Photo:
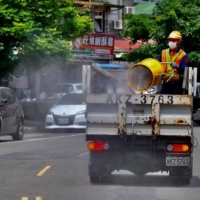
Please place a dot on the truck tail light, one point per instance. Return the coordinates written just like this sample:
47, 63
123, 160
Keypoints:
178, 148
99, 146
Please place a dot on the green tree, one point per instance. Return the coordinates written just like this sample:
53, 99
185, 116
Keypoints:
41, 31
168, 15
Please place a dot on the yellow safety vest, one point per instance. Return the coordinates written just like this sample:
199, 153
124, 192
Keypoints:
168, 68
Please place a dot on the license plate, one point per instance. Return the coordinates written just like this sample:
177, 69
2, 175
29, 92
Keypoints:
63, 120
177, 161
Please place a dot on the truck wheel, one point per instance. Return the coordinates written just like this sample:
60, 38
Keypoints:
179, 182
180, 176
186, 181
106, 178
94, 179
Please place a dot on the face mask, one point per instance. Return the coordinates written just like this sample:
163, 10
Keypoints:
172, 45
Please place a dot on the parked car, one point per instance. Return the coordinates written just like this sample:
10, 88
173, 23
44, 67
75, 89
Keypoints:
67, 113
63, 88
11, 114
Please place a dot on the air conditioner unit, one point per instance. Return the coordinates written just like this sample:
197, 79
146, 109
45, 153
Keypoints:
129, 10
117, 24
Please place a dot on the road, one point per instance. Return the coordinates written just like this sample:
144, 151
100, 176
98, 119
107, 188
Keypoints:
53, 166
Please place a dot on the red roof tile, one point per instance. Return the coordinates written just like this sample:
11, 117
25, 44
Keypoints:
122, 43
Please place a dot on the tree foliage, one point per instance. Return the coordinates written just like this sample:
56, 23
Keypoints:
40, 30
168, 15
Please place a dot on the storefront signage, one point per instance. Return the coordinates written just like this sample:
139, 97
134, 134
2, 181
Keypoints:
101, 43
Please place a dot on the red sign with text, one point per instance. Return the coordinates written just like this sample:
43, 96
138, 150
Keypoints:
102, 43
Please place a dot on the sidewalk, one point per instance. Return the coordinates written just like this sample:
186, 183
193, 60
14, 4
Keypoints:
33, 126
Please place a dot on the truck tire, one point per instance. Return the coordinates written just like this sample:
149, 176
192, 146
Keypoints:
180, 176
179, 182
106, 178
94, 179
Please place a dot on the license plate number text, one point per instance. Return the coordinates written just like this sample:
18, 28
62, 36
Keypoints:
177, 161
63, 121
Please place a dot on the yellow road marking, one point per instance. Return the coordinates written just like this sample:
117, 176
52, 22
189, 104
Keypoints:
26, 198
43, 171
83, 154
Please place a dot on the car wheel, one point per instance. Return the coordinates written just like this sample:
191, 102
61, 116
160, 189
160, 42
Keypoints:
20, 131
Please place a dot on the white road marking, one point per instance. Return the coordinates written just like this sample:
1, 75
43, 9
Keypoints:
26, 198
40, 139
83, 154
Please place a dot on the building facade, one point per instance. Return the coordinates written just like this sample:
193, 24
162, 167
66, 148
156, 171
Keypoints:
107, 14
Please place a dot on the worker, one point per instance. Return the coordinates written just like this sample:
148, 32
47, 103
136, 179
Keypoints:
174, 59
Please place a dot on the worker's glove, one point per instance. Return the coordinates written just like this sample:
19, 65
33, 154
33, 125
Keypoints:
174, 65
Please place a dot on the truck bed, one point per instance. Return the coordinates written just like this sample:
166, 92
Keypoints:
143, 114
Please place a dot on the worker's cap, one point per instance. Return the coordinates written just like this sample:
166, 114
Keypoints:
175, 35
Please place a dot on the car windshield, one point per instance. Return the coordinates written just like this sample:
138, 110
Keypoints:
72, 99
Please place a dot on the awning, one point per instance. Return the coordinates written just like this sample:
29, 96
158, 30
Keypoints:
109, 66
144, 8
124, 44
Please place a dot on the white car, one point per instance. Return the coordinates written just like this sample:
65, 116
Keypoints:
67, 113
63, 88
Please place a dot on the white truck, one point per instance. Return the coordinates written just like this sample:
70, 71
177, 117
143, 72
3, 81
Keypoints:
138, 131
